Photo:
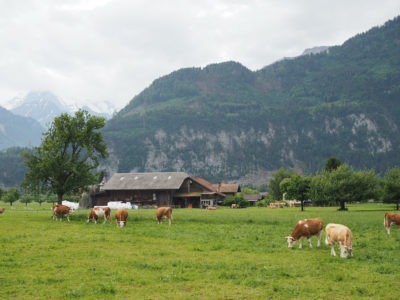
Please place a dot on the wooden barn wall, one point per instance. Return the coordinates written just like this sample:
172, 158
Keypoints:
139, 197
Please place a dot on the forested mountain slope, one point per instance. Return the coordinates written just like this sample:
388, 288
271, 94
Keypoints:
225, 122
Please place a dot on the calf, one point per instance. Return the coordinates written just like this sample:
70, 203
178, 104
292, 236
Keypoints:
211, 208
2, 210
390, 219
340, 234
59, 211
121, 216
306, 228
99, 212
164, 212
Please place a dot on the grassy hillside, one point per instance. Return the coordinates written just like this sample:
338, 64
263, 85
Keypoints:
222, 254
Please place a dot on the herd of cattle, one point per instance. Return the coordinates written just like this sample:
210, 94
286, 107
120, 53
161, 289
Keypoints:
334, 233
121, 215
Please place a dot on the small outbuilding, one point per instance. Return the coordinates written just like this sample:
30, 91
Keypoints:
227, 188
252, 198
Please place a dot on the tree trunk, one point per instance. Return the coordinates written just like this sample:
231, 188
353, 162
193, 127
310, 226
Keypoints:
342, 205
302, 205
60, 196
397, 205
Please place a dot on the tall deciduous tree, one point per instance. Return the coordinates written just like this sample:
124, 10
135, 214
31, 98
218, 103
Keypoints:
11, 196
391, 186
69, 154
343, 185
274, 185
296, 187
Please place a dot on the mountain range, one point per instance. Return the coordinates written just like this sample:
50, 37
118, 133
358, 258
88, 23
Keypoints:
38, 109
225, 122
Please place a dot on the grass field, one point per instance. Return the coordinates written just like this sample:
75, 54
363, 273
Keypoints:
222, 254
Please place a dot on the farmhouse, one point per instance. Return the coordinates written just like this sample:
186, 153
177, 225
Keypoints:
177, 189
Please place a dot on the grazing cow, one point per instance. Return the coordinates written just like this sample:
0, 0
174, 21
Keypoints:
164, 212
99, 212
306, 228
59, 211
234, 205
121, 216
211, 208
391, 219
340, 234
2, 210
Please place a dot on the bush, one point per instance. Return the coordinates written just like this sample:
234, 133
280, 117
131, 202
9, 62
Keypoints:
236, 199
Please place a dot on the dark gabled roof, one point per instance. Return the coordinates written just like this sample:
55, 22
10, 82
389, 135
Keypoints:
146, 181
204, 183
227, 187
154, 181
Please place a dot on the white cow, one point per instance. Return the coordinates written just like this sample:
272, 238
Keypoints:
339, 234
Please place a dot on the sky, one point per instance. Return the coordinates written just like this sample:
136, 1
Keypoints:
92, 51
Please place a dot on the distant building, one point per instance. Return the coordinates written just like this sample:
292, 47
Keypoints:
253, 198
227, 188
176, 189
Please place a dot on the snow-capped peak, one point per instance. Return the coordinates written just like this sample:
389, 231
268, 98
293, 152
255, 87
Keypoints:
44, 106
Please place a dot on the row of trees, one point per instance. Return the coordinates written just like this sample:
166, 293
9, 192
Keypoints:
337, 184
13, 194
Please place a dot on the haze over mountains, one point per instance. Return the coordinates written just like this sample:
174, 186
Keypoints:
24, 118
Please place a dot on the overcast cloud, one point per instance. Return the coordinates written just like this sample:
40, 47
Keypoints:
110, 50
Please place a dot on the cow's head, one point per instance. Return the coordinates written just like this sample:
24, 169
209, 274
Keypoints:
346, 251
290, 241
121, 223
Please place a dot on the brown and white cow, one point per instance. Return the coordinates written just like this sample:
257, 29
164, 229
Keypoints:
211, 208
99, 212
391, 219
2, 210
59, 211
121, 215
339, 234
234, 205
306, 229
164, 211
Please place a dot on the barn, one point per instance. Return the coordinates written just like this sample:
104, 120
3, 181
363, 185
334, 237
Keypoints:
176, 189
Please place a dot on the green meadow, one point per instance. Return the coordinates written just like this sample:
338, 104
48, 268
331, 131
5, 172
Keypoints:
222, 254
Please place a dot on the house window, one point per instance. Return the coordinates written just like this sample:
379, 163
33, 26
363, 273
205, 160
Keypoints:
154, 197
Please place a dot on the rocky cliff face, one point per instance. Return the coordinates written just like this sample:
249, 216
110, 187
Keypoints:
248, 155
